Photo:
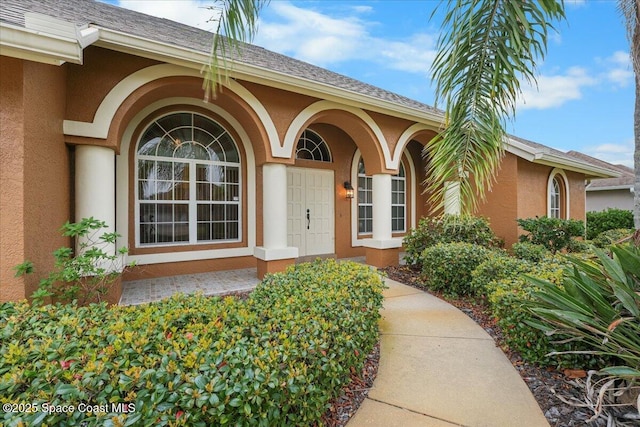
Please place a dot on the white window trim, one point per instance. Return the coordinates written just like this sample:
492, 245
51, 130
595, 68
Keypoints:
123, 181
567, 201
358, 239
192, 202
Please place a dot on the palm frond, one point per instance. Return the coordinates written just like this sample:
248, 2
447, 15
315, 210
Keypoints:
237, 23
485, 48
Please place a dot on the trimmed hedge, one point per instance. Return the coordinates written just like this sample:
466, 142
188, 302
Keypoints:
447, 267
276, 358
448, 229
498, 265
554, 234
609, 237
610, 219
509, 301
530, 251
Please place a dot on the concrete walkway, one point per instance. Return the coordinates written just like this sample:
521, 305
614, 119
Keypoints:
439, 368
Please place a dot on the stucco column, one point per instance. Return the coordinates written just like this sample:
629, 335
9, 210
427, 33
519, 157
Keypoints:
452, 198
95, 187
382, 248
274, 255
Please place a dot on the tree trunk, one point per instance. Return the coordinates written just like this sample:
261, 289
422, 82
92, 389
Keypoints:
636, 155
635, 63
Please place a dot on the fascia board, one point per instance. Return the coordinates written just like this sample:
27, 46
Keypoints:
519, 149
37, 46
590, 171
611, 188
165, 52
550, 159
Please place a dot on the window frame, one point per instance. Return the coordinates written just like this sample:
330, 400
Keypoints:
192, 202
558, 195
318, 145
367, 189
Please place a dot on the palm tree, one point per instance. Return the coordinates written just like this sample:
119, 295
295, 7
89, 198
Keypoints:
237, 23
630, 9
486, 47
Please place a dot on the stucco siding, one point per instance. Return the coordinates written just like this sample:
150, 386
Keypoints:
604, 199
35, 196
12, 175
501, 205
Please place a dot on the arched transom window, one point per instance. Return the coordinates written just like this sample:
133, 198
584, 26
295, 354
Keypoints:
188, 182
311, 146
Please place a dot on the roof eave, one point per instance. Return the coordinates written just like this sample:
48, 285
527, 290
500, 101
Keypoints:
610, 188
194, 59
32, 45
543, 157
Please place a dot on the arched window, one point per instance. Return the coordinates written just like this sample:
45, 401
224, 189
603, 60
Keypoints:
311, 146
558, 199
188, 188
365, 200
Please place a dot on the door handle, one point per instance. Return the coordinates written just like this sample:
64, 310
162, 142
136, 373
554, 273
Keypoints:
308, 218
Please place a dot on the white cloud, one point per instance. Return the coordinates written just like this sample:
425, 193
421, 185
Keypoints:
619, 69
554, 91
190, 12
615, 153
322, 40
363, 9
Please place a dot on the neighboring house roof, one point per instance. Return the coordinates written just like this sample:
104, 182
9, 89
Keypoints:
624, 181
79, 23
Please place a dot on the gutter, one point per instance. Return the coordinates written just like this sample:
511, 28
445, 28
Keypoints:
613, 187
547, 158
46, 40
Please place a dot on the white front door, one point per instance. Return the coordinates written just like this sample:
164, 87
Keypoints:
310, 216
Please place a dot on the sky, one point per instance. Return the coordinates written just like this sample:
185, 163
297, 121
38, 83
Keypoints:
584, 97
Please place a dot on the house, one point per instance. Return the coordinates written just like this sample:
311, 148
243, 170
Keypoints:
607, 193
103, 116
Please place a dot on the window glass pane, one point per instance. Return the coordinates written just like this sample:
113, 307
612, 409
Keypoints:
192, 151
175, 120
204, 231
146, 190
181, 232
229, 149
232, 212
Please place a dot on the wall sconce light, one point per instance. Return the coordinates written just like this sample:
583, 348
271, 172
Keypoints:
348, 189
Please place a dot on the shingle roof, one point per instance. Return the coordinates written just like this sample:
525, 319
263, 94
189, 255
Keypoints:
163, 30
626, 178
107, 16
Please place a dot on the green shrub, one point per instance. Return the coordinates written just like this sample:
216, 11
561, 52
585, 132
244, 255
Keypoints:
553, 233
530, 251
612, 218
85, 275
447, 267
498, 265
508, 301
609, 237
447, 229
598, 306
276, 358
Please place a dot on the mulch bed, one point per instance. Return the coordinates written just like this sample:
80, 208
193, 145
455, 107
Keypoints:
545, 383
